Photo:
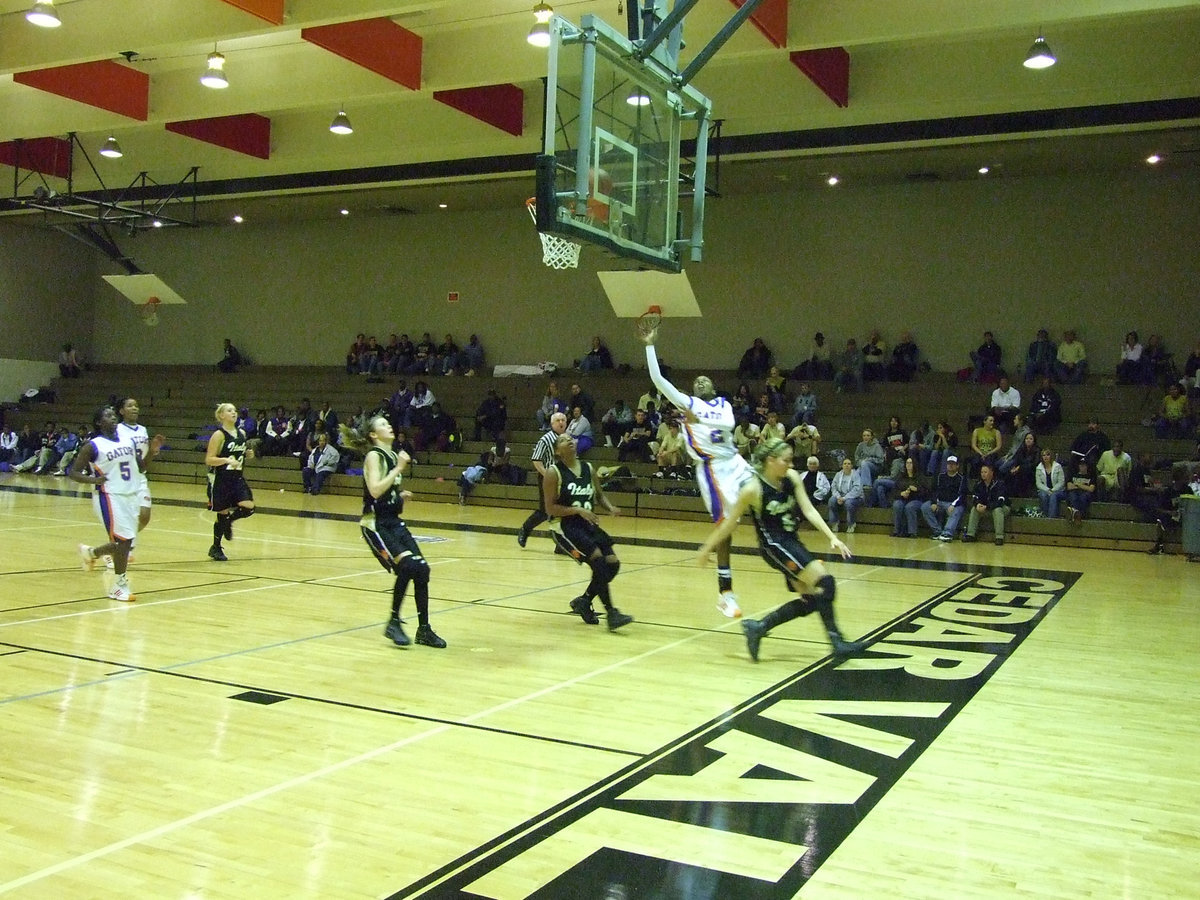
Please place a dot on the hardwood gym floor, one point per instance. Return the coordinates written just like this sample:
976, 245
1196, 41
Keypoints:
1024, 725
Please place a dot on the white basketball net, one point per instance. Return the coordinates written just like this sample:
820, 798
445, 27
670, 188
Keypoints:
557, 252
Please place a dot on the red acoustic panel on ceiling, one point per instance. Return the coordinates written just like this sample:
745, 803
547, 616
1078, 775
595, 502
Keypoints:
268, 10
48, 155
376, 44
829, 69
771, 18
248, 133
501, 105
104, 84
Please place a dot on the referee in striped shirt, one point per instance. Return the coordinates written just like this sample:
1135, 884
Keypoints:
543, 460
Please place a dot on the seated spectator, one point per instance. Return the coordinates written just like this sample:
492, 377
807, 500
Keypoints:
323, 461
945, 443
804, 408
1071, 365
68, 362
438, 430
772, 427
29, 442
906, 358
1174, 419
329, 419
404, 354
615, 422
1005, 403
756, 361
920, 445
1017, 469
71, 448
910, 491
985, 359
230, 358
423, 354
368, 358
1191, 370
985, 445
949, 497
580, 428
653, 398
8, 444
845, 496
550, 405
389, 354
400, 406
848, 368
895, 447
353, 356
471, 357
421, 407
805, 441
635, 443
989, 499
42, 453
816, 482
746, 435
1040, 357
597, 358
670, 451
1081, 487
303, 421
246, 422
1090, 443
276, 439
1020, 429
499, 463
1045, 409
1112, 472
445, 357
874, 358
1157, 364
581, 398
1050, 481
491, 416
868, 459
1129, 367
776, 386
742, 401
818, 366
653, 417
759, 414
401, 441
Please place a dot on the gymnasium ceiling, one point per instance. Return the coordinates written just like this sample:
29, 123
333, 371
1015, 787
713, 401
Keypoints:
936, 89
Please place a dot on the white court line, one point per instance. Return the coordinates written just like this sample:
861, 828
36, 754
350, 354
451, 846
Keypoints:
168, 827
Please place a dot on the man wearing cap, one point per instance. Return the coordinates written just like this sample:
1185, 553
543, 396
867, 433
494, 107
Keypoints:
949, 490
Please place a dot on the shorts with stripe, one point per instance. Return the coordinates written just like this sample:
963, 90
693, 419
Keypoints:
720, 481
580, 539
785, 553
118, 513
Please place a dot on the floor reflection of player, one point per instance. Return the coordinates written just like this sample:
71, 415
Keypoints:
720, 470
112, 463
774, 498
228, 494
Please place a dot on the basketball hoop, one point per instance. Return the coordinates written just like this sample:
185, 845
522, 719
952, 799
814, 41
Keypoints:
557, 252
149, 311
648, 322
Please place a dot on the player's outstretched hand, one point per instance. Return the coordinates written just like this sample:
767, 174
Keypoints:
648, 337
838, 547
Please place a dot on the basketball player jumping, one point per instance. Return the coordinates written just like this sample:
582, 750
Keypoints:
720, 469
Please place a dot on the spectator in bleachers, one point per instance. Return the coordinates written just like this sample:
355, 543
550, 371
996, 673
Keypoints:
8, 444
776, 385
815, 481
869, 460
670, 451
247, 423
423, 354
303, 420
1174, 419
1051, 483
551, 404
580, 427
652, 397
1081, 487
68, 362
581, 398
1040, 357
616, 422
405, 351
742, 401
368, 358
1017, 470
949, 500
472, 356
438, 431
985, 445
759, 415
389, 354
848, 368
277, 434
400, 406
28, 444
81, 435
635, 443
989, 498
1015, 442
772, 428
845, 496
1005, 403
653, 416
1112, 472
745, 435
1157, 362
323, 461
421, 407
819, 365
491, 416
230, 358
804, 408
354, 355
1090, 443
986, 359
906, 357
445, 357
910, 491
1071, 366
1130, 368
945, 444
895, 447
1045, 409
597, 358
805, 441
327, 417
874, 358
1191, 370
756, 361
920, 445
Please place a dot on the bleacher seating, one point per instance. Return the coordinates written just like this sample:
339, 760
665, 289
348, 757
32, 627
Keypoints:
178, 402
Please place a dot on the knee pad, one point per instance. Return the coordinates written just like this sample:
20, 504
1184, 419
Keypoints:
243, 512
614, 566
415, 567
825, 589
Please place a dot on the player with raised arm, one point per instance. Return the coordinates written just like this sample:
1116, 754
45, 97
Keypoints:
773, 498
720, 469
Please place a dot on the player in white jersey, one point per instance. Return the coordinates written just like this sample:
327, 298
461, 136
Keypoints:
129, 427
112, 463
720, 469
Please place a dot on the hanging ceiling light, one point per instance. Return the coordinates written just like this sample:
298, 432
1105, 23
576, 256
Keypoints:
1039, 56
43, 14
638, 97
539, 34
341, 123
214, 75
111, 148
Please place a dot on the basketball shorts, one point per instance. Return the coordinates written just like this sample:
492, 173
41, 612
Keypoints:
229, 491
786, 554
389, 539
580, 539
720, 481
118, 513
144, 495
